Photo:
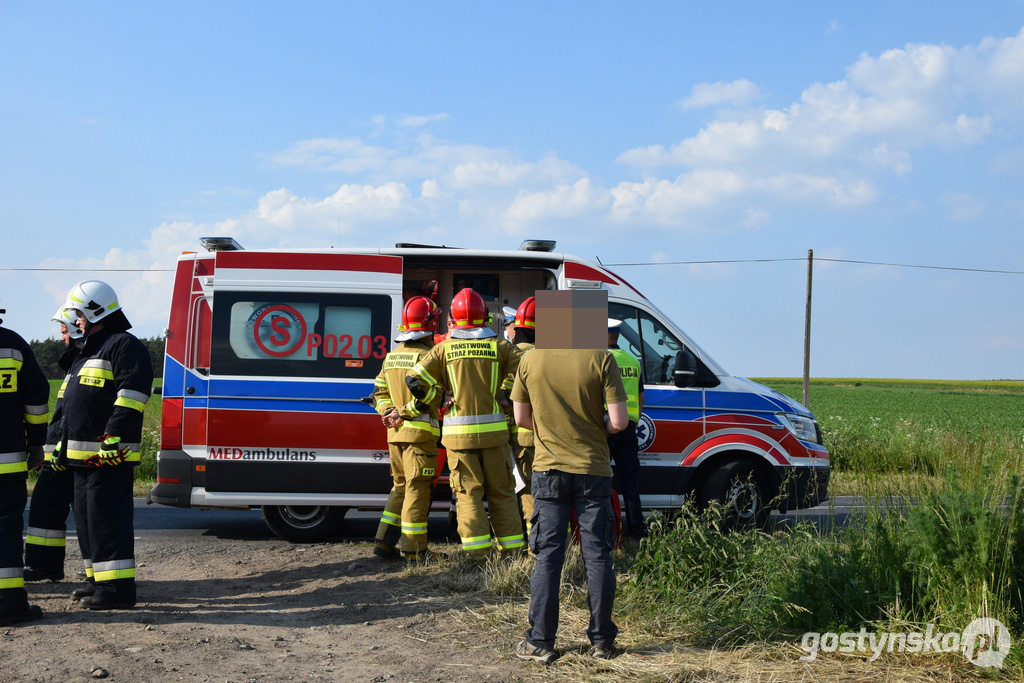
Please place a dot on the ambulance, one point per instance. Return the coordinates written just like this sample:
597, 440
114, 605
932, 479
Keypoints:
271, 354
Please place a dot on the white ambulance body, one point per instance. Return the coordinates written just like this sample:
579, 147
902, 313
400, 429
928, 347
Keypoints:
271, 353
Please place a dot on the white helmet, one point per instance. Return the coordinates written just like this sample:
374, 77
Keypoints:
95, 299
67, 316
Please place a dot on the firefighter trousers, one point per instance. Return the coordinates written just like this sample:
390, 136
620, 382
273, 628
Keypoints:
104, 520
48, 519
13, 599
524, 459
485, 471
405, 514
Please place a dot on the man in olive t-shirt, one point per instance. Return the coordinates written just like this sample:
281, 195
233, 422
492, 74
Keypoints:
560, 394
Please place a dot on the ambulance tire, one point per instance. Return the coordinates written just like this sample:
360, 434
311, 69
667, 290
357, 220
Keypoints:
740, 487
304, 523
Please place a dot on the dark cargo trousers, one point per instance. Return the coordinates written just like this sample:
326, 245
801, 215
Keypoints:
625, 452
556, 495
13, 599
104, 518
47, 519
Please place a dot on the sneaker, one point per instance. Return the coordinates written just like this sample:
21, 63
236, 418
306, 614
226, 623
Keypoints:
602, 652
528, 651
31, 614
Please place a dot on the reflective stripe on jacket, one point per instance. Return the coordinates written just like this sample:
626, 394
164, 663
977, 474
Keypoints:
390, 392
106, 391
24, 403
474, 371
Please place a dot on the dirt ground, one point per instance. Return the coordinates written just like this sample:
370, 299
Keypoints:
229, 610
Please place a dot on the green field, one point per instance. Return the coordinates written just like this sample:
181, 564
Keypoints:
912, 427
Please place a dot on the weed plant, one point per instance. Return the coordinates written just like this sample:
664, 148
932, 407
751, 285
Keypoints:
950, 553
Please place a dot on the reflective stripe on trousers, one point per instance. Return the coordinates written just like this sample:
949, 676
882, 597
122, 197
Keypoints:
114, 569
54, 537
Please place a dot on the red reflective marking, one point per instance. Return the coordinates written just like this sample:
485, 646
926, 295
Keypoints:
168, 480
372, 263
280, 429
580, 271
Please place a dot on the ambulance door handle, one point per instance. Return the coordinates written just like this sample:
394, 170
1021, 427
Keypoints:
190, 390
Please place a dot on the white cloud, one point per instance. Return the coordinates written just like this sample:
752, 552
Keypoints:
410, 121
833, 26
964, 206
348, 155
755, 218
739, 92
887, 106
564, 201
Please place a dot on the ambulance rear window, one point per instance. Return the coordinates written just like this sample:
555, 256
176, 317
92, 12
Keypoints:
300, 335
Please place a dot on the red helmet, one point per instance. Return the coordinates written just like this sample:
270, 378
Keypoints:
468, 310
419, 315
526, 315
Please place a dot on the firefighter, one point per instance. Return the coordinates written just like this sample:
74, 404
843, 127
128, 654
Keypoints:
413, 430
524, 327
625, 452
24, 411
477, 369
55, 487
107, 390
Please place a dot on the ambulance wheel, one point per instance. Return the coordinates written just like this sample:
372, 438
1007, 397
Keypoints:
304, 523
739, 486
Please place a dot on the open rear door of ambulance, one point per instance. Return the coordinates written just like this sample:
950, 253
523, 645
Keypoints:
297, 339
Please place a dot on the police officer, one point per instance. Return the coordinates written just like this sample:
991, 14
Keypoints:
413, 430
24, 411
625, 451
524, 327
477, 370
107, 390
55, 488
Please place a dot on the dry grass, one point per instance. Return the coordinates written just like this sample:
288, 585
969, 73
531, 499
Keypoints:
490, 605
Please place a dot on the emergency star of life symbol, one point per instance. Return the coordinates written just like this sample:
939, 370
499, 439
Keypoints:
645, 432
278, 330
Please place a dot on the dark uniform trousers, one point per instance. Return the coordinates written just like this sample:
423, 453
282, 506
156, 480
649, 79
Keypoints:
13, 599
104, 513
47, 519
625, 453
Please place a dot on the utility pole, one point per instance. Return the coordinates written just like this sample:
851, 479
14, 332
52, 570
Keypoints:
807, 331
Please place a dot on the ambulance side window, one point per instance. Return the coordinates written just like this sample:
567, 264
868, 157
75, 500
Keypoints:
291, 334
648, 340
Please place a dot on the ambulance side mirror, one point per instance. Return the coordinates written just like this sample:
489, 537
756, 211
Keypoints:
685, 372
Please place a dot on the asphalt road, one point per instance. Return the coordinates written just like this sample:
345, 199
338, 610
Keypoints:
159, 522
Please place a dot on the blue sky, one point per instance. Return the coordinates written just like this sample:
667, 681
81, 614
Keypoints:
648, 132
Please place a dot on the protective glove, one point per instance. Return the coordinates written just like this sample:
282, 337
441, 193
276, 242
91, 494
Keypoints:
110, 452
54, 459
35, 457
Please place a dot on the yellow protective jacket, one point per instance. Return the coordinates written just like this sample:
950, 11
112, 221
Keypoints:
390, 392
521, 436
474, 372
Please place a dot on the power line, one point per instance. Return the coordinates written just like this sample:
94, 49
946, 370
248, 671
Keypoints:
89, 269
818, 258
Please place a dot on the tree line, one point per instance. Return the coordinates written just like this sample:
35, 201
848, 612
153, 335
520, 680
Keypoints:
49, 351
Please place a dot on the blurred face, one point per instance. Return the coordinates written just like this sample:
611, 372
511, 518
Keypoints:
64, 334
82, 322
